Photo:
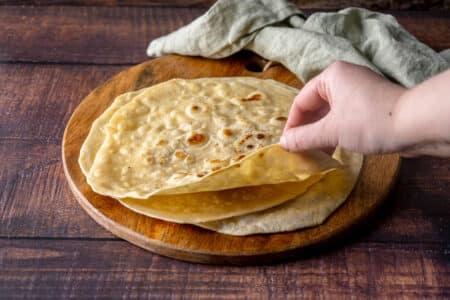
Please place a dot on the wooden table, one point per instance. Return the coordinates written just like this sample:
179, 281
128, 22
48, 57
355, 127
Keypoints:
51, 56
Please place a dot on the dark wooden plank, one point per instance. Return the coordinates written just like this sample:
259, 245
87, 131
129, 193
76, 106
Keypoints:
418, 208
115, 269
101, 35
35, 104
44, 96
318, 4
120, 35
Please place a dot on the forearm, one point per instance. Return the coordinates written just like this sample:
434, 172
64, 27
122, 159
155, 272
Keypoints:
422, 118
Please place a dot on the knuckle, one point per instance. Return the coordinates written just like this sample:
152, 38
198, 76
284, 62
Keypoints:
297, 140
338, 66
328, 132
293, 139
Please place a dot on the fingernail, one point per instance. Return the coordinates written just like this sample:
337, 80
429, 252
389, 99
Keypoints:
283, 142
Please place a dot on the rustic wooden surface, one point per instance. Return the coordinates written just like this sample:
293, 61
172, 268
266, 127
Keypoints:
120, 35
50, 248
322, 4
188, 242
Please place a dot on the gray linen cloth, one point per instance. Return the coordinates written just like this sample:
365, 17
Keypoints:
278, 31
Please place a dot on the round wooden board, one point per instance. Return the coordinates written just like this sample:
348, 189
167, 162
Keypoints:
187, 242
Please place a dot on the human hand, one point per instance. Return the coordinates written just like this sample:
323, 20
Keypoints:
348, 106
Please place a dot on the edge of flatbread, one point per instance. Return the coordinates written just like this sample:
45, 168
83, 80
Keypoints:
309, 209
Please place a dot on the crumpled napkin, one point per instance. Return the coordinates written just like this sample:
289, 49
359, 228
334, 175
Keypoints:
278, 31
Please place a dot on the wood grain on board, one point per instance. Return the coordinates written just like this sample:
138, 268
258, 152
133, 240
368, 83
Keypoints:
37, 102
188, 242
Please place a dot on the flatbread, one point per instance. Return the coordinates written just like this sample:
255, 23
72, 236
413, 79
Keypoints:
186, 136
97, 134
207, 206
309, 209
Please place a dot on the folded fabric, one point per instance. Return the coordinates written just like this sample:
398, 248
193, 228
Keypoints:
278, 31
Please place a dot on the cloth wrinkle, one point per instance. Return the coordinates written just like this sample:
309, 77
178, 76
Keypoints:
278, 31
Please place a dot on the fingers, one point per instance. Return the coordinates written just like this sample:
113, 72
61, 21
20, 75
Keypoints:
317, 135
306, 127
309, 105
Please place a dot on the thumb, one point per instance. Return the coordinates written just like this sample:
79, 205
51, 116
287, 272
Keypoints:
317, 135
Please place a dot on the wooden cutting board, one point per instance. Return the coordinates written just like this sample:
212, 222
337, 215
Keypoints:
187, 242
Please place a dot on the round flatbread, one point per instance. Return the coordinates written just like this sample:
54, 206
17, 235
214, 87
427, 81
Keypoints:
303, 169
185, 136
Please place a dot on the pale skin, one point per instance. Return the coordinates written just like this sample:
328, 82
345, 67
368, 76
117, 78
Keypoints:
352, 107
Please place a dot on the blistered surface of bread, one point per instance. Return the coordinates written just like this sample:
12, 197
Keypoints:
176, 134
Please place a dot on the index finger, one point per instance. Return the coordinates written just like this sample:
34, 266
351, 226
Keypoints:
309, 100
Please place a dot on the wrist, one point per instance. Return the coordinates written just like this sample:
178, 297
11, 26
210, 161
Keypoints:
415, 129
393, 133
403, 124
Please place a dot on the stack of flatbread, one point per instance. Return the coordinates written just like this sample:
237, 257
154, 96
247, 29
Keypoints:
205, 152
